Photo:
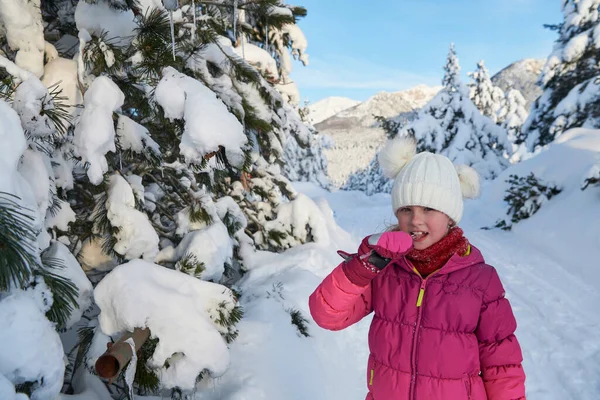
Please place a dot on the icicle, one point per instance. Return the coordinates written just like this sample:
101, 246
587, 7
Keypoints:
235, 17
243, 50
172, 34
194, 30
267, 36
130, 371
172, 5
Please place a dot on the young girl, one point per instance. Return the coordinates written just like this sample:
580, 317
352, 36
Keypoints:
442, 328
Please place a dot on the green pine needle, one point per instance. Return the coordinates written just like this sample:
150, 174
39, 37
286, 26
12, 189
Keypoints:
64, 292
18, 246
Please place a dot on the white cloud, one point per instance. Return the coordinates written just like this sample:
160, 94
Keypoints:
352, 73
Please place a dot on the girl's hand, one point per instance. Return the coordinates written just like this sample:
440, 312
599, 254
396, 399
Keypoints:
392, 245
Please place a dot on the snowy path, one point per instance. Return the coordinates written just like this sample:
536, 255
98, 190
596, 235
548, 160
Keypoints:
557, 312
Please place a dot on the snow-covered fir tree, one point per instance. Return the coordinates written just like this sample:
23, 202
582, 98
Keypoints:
511, 117
450, 124
140, 146
570, 77
486, 97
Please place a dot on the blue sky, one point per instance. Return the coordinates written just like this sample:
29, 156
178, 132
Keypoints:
359, 48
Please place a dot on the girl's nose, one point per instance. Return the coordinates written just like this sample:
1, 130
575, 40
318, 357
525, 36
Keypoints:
417, 217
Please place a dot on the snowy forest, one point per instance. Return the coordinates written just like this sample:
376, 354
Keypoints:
166, 209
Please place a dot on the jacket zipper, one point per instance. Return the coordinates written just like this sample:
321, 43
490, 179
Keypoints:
468, 386
413, 377
416, 329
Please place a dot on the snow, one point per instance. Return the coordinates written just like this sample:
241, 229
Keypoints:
136, 236
62, 218
575, 47
280, 11
522, 76
30, 348
385, 104
211, 246
298, 41
22, 22
298, 215
31, 97
135, 137
355, 133
131, 367
556, 328
33, 169
87, 387
13, 145
578, 149
208, 122
75, 274
7, 390
289, 91
95, 132
259, 58
179, 310
328, 107
96, 18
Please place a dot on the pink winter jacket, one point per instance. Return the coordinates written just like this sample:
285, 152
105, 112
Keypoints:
447, 337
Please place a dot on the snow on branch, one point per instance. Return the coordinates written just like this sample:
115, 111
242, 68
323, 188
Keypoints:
95, 133
182, 312
208, 122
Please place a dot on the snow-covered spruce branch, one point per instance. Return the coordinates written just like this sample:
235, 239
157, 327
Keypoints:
14, 70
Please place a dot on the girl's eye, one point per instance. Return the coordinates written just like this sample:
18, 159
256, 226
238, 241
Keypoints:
405, 209
429, 209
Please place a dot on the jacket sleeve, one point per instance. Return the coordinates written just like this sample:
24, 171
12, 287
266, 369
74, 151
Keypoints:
338, 303
499, 351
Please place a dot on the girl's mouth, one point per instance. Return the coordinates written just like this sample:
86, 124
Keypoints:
418, 236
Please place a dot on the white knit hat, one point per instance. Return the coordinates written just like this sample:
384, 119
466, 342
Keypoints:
427, 179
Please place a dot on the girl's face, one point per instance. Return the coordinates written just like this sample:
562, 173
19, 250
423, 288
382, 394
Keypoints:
426, 225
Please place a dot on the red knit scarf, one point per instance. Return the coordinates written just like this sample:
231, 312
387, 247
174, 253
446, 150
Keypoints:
435, 256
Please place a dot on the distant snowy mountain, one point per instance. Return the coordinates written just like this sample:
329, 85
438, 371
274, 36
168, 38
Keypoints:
384, 104
354, 132
328, 107
521, 75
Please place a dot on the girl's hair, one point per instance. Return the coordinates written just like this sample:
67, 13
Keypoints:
393, 228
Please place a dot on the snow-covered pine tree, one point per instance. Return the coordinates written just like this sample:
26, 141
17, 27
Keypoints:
569, 78
487, 98
43, 289
511, 117
268, 34
450, 124
158, 155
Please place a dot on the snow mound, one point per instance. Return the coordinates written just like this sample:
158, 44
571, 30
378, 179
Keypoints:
181, 311
30, 348
566, 163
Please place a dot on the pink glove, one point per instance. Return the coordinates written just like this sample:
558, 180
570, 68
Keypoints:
374, 253
391, 245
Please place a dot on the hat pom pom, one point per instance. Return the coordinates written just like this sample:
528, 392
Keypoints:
396, 154
469, 181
